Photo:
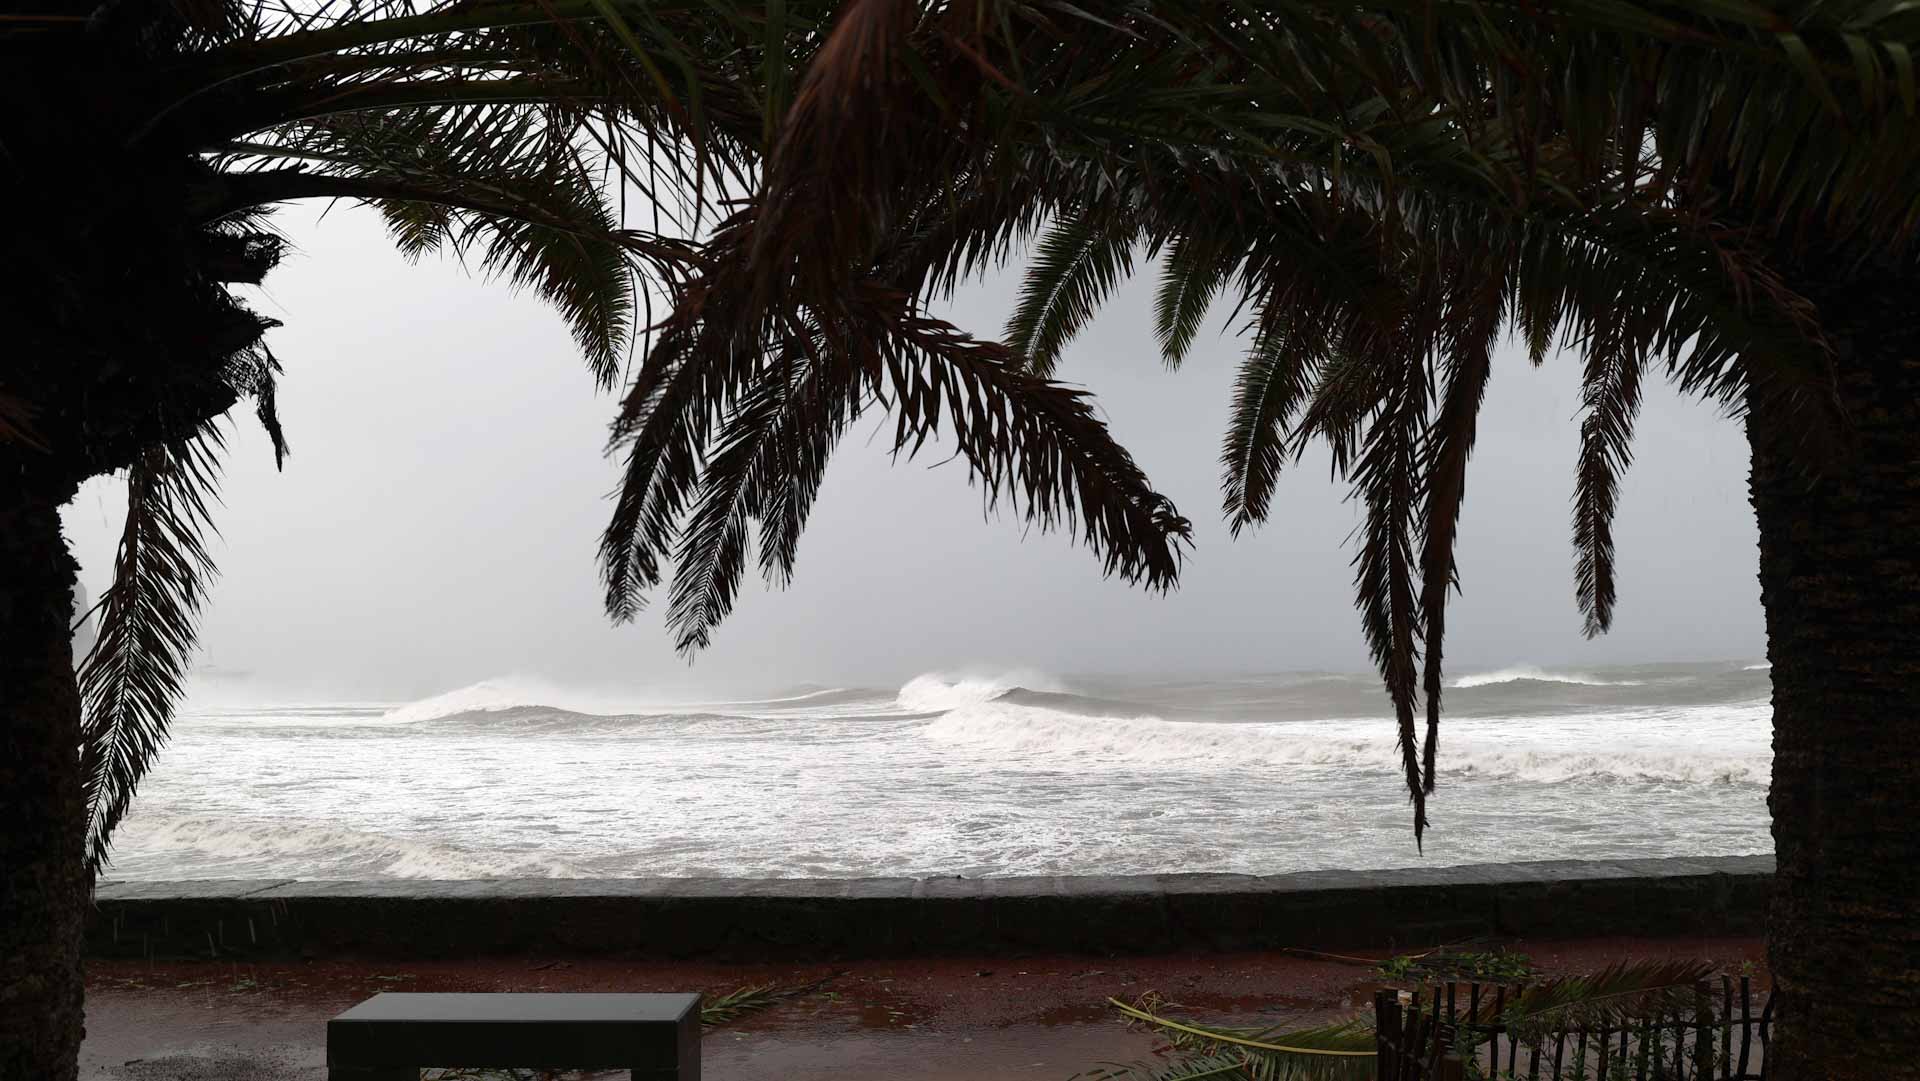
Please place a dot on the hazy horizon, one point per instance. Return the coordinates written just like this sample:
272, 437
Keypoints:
437, 520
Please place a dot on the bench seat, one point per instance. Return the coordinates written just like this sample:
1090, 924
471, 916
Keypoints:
394, 1036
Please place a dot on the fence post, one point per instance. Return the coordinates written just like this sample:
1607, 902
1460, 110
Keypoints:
1702, 1031
1386, 1026
1452, 1068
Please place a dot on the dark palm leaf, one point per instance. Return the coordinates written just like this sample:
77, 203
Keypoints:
1620, 993
1280, 371
132, 678
1192, 275
1075, 267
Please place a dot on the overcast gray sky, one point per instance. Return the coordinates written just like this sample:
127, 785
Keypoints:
437, 520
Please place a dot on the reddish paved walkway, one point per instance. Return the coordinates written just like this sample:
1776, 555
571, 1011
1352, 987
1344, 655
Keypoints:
943, 1019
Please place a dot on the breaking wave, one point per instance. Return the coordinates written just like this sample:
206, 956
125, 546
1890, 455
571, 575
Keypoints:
1048, 739
511, 692
1529, 673
936, 692
267, 847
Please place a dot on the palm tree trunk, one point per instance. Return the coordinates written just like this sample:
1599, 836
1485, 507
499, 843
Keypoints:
1840, 580
43, 881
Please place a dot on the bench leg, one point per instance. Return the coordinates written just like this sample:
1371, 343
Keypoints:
371, 1073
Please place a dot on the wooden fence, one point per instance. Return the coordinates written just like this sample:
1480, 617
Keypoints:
1452, 1031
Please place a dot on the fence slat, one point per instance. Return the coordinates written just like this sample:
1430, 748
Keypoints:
1409, 1043
1421, 1038
1726, 1027
1703, 1040
1386, 1027
1499, 1028
1746, 1022
1766, 1033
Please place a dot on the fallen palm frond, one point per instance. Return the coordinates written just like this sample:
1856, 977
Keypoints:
731, 1006
1340, 1051
1614, 997
1650, 996
1496, 966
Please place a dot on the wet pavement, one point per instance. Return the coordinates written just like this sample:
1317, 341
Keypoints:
944, 1019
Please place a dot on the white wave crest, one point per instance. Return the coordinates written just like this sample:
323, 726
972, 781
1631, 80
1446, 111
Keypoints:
934, 692
510, 692
1026, 737
1763, 666
290, 848
1520, 672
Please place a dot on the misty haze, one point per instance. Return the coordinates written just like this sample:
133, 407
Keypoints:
407, 670
972, 540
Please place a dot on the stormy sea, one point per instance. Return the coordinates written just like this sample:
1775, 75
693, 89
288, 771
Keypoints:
964, 773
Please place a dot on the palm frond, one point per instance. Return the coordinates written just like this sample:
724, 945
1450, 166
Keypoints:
1468, 343
255, 374
1622, 992
131, 681
1075, 267
1034, 446
764, 464
1191, 276
16, 423
1280, 370
1179, 1067
1386, 480
1610, 395
537, 220
724, 1009
1342, 1051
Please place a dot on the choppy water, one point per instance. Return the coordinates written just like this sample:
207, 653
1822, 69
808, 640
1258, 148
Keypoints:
960, 775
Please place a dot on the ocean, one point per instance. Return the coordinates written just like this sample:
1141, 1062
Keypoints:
971, 774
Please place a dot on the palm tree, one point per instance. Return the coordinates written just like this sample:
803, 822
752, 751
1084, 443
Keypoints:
1722, 190
1387, 186
142, 145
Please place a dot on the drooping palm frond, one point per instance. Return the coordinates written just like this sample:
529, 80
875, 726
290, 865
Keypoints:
1074, 268
711, 440
1389, 192
764, 466
255, 374
1466, 350
132, 679
1281, 368
1195, 270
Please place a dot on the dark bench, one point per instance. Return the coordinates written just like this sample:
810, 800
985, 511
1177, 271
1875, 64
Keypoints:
392, 1037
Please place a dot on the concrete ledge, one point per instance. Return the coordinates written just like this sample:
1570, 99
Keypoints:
817, 918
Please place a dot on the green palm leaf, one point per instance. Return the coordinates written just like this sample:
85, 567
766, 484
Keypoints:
1343, 1051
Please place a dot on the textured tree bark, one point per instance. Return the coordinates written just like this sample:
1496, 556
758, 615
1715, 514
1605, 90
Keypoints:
43, 881
1840, 580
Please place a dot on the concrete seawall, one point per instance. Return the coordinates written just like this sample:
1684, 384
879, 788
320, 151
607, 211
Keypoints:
820, 918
